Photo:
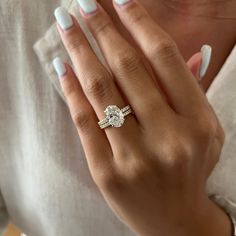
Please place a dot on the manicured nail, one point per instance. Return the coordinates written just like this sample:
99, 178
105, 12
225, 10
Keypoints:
206, 51
63, 18
59, 66
88, 6
122, 2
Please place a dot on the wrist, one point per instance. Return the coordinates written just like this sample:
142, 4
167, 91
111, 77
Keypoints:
210, 220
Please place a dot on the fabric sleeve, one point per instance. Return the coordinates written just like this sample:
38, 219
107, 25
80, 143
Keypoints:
221, 95
3, 216
50, 46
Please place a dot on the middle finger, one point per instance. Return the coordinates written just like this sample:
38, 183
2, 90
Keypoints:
126, 64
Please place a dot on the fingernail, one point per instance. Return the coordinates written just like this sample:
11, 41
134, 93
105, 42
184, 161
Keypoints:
206, 51
63, 18
59, 66
122, 2
88, 6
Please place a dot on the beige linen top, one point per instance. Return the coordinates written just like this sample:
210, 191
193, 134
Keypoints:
45, 185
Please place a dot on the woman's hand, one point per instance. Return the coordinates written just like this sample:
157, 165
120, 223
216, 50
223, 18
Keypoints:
152, 171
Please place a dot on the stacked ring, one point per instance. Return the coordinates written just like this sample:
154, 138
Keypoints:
115, 116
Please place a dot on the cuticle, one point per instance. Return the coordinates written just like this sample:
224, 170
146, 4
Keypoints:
86, 15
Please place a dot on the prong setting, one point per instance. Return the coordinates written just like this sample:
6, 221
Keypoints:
115, 116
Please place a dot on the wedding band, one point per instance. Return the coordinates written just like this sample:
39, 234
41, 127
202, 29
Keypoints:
115, 116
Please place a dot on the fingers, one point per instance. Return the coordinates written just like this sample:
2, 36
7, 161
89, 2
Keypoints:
199, 62
96, 145
194, 64
173, 74
95, 80
126, 64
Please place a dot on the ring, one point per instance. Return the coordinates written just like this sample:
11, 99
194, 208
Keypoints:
115, 116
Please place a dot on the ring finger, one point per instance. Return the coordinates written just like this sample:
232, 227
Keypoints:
96, 81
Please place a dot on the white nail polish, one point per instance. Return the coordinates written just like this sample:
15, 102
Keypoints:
88, 6
206, 51
63, 18
59, 66
122, 2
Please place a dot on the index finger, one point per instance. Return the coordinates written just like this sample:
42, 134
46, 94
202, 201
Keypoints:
169, 66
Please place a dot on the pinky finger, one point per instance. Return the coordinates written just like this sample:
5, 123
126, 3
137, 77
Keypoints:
199, 64
94, 141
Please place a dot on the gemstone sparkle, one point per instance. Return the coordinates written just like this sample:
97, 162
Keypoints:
115, 116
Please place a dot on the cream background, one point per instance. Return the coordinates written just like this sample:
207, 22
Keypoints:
46, 187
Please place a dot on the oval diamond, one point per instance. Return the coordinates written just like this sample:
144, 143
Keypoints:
115, 116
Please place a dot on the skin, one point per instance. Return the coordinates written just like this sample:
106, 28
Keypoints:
196, 21
152, 174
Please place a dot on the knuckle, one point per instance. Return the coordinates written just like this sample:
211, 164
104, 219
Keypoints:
81, 119
163, 49
138, 169
127, 61
178, 154
102, 27
139, 172
206, 128
73, 44
69, 88
99, 86
136, 16
110, 181
177, 160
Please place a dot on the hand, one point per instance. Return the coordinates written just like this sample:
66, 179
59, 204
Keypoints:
152, 171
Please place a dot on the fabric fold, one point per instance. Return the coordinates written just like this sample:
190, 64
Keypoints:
50, 46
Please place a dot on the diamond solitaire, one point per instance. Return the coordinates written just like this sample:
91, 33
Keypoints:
115, 116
